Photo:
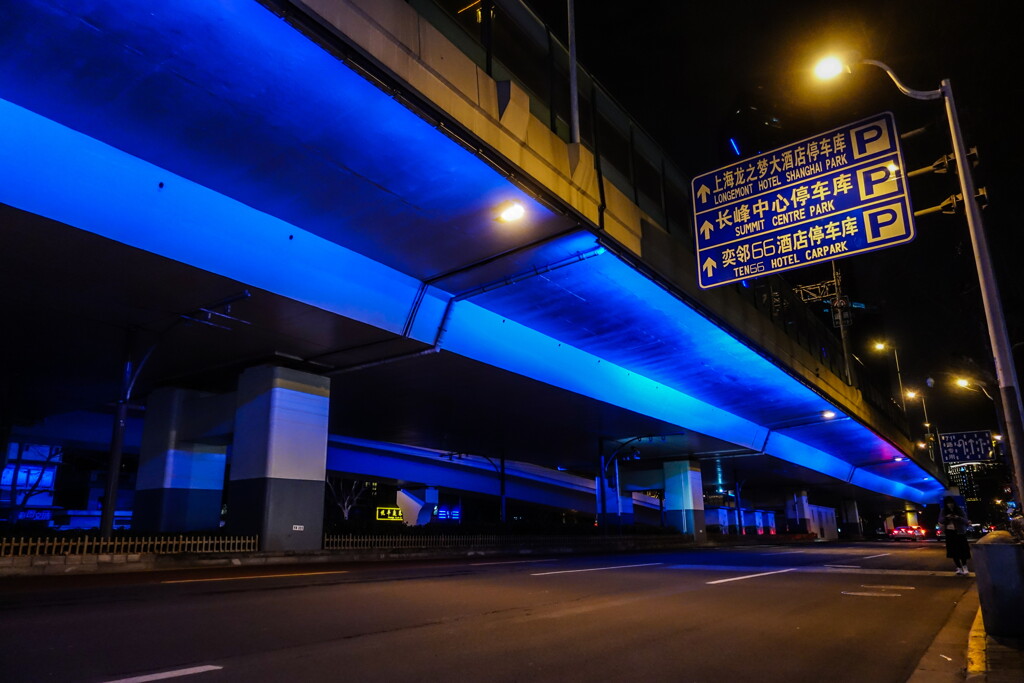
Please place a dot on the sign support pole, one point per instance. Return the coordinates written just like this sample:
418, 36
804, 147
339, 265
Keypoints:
1012, 410
1005, 370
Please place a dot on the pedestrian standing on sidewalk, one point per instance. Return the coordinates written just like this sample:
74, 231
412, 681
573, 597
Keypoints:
953, 521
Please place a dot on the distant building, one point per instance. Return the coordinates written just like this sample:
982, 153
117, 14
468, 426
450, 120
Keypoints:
28, 481
979, 481
51, 486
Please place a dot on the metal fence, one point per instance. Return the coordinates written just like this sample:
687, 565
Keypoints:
495, 542
167, 545
128, 545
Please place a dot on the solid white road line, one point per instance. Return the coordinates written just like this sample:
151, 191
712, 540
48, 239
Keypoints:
750, 576
244, 578
598, 569
898, 588
871, 557
168, 674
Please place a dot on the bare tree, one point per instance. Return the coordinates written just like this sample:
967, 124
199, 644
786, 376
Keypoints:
20, 496
346, 496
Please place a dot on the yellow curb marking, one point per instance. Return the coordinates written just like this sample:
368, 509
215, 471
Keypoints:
976, 659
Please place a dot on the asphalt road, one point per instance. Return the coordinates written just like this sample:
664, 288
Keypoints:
835, 612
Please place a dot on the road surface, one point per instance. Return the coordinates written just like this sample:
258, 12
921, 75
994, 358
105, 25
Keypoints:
835, 612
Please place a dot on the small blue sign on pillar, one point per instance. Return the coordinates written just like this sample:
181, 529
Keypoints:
836, 194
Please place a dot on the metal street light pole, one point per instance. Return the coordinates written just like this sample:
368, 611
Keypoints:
924, 407
1001, 349
500, 469
927, 422
613, 459
884, 346
1001, 414
899, 379
574, 99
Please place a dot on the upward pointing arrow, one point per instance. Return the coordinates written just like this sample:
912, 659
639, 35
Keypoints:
706, 228
703, 192
709, 266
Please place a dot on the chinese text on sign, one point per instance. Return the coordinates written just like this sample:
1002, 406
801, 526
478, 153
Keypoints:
832, 195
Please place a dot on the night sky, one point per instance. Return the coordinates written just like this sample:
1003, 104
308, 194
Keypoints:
695, 74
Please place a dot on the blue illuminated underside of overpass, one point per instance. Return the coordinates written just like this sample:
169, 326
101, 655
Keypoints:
140, 167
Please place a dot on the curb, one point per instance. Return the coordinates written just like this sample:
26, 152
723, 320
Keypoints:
946, 659
977, 657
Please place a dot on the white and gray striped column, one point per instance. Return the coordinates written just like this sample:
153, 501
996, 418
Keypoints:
278, 461
180, 482
798, 513
684, 497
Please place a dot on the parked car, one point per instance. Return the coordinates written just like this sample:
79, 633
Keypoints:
979, 530
973, 531
908, 533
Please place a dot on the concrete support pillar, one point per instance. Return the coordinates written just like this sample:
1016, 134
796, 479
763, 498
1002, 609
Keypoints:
852, 527
912, 511
618, 506
736, 520
180, 484
753, 523
798, 513
417, 505
684, 498
278, 463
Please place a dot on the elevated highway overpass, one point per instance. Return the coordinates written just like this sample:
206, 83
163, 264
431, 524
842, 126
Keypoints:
283, 215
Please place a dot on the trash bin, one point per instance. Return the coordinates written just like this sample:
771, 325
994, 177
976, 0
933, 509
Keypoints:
999, 569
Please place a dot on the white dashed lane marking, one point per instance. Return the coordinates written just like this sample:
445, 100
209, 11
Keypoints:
598, 569
750, 576
177, 673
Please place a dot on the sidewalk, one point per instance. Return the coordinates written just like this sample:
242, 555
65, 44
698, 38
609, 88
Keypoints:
962, 651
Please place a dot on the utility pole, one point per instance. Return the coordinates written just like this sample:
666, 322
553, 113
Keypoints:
839, 314
117, 444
